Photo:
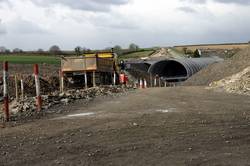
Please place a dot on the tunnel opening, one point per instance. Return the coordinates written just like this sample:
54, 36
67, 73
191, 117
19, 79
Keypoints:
169, 70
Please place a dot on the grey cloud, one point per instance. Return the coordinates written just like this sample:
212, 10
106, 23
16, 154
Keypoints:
240, 2
195, 1
2, 28
187, 9
24, 27
88, 5
5, 1
123, 25
114, 21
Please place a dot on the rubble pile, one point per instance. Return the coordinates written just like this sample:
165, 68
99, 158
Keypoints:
11, 86
48, 85
27, 107
238, 83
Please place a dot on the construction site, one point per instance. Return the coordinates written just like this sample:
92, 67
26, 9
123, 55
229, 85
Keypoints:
168, 108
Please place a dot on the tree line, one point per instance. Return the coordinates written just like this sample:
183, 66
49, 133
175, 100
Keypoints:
56, 50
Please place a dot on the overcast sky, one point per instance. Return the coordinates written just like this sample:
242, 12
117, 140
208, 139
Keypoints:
96, 24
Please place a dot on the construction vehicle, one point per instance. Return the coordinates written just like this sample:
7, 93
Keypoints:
91, 69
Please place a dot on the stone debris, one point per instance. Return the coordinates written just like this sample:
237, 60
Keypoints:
27, 107
47, 84
238, 83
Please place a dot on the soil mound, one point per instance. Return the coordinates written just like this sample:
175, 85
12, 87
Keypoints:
218, 71
238, 83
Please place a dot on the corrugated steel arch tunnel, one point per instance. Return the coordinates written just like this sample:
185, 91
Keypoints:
180, 69
141, 65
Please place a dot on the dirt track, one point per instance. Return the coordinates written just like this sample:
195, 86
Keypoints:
171, 126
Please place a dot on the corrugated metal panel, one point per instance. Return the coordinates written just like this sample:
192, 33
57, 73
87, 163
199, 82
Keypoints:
142, 65
194, 65
184, 67
105, 64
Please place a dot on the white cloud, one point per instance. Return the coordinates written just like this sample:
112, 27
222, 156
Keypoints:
99, 24
89, 5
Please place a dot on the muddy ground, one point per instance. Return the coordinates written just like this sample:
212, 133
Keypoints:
161, 126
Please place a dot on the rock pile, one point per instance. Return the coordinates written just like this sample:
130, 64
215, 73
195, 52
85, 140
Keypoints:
27, 107
48, 85
238, 83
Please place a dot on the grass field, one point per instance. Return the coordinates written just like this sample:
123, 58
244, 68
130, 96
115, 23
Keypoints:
137, 54
29, 59
50, 59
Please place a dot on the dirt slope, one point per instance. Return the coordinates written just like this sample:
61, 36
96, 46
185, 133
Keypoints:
218, 71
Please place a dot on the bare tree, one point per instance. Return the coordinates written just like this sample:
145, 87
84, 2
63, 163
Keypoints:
2, 49
78, 50
118, 49
40, 50
17, 50
133, 47
54, 49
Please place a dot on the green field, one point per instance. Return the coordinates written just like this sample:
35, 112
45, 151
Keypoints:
176, 53
29, 59
139, 54
50, 59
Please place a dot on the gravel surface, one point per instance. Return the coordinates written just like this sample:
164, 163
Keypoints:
161, 126
26, 109
218, 71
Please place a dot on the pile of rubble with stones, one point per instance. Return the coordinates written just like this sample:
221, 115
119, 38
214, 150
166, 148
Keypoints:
238, 83
47, 85
27, 107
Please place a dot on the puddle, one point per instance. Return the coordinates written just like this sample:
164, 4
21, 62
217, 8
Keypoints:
166, 110
82, 114
114, 102
75, 115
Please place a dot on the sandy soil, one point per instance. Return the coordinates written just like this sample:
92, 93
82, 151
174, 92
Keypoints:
167, 126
